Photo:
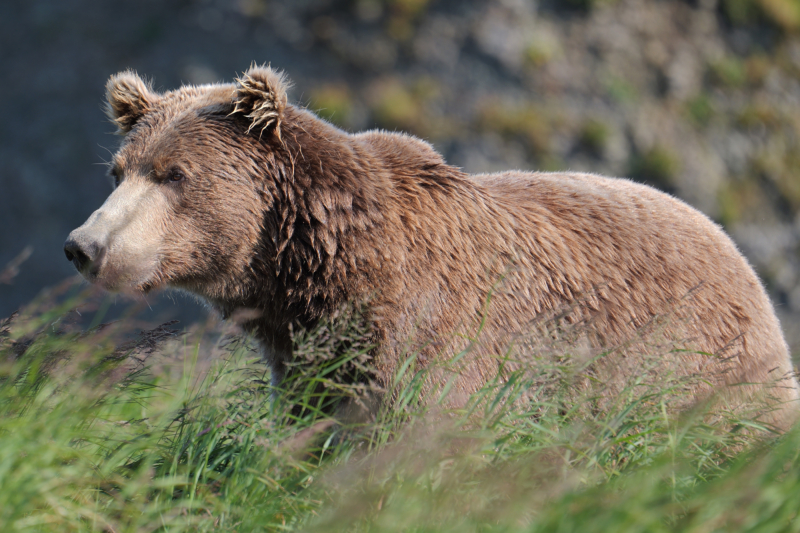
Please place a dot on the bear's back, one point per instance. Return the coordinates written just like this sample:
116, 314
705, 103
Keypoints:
632, 254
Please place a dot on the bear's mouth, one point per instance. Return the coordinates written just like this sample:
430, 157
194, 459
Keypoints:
118, 278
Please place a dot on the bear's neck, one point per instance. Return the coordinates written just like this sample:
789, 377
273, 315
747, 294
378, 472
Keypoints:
350, 214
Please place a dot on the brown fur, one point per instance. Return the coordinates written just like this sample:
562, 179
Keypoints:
283, 213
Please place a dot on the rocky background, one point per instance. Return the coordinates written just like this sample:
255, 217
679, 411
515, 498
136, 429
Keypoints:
698, 98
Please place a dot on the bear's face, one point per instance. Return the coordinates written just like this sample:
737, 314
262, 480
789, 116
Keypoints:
189, 202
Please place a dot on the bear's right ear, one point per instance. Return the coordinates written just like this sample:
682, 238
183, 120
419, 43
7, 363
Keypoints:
129, 97
261, 96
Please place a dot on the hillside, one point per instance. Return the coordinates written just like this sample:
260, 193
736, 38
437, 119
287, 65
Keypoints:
699, 98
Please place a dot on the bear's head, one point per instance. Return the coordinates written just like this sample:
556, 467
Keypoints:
196, 176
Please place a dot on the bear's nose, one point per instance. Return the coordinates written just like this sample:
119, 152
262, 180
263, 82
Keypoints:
82, 250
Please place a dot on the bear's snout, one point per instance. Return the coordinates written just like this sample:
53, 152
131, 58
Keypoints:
83, 251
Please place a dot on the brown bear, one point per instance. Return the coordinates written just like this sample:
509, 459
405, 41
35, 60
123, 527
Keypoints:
230, 193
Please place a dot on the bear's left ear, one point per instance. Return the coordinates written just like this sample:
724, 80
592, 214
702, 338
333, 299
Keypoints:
261, 96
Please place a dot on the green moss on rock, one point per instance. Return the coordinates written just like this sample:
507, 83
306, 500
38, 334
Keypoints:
657, 166
333, 103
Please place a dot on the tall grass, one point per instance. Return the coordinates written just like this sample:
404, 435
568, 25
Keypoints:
102, 430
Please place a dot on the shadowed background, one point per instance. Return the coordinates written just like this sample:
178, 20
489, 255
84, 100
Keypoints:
698, 98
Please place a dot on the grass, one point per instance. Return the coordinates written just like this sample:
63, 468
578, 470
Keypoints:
98, 434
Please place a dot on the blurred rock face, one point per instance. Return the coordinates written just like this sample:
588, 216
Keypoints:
701, 99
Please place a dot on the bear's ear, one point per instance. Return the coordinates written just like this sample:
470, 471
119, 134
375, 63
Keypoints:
261, 96
129, 97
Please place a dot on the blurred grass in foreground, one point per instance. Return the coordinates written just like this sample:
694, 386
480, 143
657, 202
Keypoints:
99, 435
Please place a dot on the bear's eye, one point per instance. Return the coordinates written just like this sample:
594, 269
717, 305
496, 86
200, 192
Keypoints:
116, 176
175, 176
